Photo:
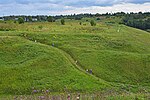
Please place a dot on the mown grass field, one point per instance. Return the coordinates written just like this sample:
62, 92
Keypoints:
50, 56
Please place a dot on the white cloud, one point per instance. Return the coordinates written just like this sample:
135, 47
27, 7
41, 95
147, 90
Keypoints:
124, 7
51, 8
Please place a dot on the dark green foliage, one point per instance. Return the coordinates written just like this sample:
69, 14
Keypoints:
62, 21
40, 27
147, 24
93, 23
119, 14
30, 19
78, 18
15, 21
138, 20
136, 98
80, 23
20, 20
50, 19
98, 19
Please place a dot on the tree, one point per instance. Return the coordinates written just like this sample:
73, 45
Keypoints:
147, 23
20, 20
92, 22
62, 21
50, 19
98, 19
30, 19
78, 18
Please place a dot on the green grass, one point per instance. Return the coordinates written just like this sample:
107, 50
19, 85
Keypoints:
118, 55
25, 64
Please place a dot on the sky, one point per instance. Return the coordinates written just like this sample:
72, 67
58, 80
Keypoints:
67, 7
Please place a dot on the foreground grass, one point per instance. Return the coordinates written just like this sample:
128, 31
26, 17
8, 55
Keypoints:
63, 96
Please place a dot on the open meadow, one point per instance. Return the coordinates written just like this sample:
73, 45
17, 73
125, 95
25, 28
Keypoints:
108, 61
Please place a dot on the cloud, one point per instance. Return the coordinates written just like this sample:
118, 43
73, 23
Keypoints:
5, 1
75, 2
31, 9
87, 3
124, 7
54, 7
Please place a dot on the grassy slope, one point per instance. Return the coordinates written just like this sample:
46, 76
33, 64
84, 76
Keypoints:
25, 64
116, 56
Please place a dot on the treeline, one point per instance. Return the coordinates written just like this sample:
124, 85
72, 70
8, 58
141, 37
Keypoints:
139, 15
137, 20
27, 18
40, 18
53, 18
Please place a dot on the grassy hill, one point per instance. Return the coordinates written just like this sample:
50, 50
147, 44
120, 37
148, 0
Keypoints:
56, 57
25, 64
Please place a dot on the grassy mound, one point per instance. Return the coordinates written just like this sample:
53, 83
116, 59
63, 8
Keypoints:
25, 64
121, 57
56, 57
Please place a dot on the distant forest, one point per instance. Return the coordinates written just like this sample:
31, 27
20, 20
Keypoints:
137, 20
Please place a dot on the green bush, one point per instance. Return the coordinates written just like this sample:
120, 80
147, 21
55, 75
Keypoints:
20, 20
62, 21
93, 23
40, 27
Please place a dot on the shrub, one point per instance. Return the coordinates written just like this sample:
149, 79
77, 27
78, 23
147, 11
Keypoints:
40, 27
62, 21
98, 19
50, 19
80, 23
20, 20
93, 23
